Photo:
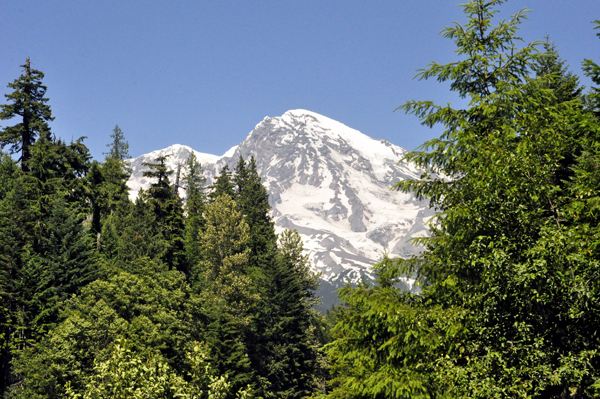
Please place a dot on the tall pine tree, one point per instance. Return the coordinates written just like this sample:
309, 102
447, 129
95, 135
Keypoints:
286, 354
509, 276
253, 203
194, 182
222, 185
168, 211
27, 101
119, 148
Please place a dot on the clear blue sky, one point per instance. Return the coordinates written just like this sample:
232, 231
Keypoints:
204, 73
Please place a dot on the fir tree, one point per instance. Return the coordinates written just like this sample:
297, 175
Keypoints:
107, 185
194, 182
286, 355
226, 289
253, 202
45, 258
552, 73
62, 264
28, 103
132, 233
552, 68
119, 148
592, 70
222, 185
160, 190
17, 230
508, 276
168, 211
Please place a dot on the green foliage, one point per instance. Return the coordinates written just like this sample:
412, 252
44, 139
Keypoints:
100, 297
226, 289
168, 211
61, 262
194, 182
45, 257
509, 283
222, 185
131, 233
125, 375
592, 70
28, 103
253, 201
287, 352
107, 183
147, 304
119, 148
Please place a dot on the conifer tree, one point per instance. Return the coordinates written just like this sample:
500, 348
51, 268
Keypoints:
222, 185
194, 182
240, 178
132, 233
62, 264
564, 83
168, 211
45, 258
226, 290
107, 182
119, 148
253, 202
508, 276
592, 70
553, 74
17, 230
286, 355
28, 103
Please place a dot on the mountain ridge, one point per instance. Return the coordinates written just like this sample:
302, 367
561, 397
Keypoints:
330, 182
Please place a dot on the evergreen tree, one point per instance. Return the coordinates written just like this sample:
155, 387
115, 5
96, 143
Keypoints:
168, 211
227, 294
28, 103
17, 229
132, 233
160, 190
240, 178
62, 264
564, 83
45, 258
592, 70
222, 185
57, 166
253, 202
551, 72
97, 202
508, 277
194, 182
107, 183
286, 355
119, 148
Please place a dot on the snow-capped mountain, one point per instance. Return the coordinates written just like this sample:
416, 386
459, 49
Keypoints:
331, 183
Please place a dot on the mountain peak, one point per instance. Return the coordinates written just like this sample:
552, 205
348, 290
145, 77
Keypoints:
332, 184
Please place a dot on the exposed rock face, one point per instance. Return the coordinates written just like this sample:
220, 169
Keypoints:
331, 183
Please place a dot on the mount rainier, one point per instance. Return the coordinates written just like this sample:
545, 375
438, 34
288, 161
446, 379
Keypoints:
328, 181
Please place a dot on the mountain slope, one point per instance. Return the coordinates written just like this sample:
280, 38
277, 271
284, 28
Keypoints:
331, 183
